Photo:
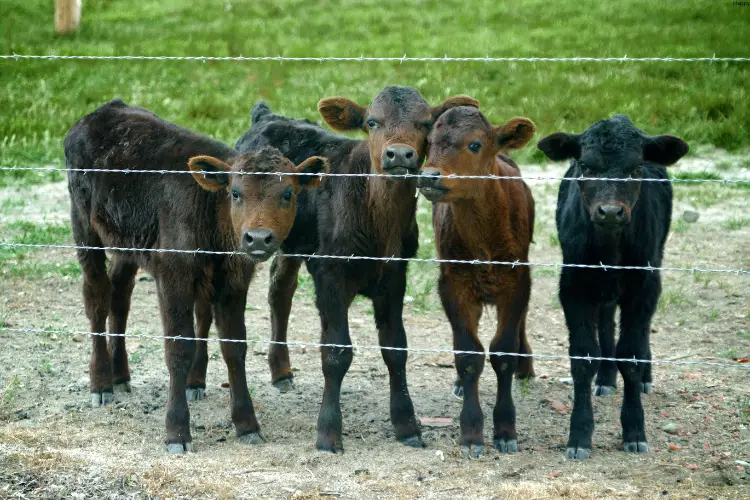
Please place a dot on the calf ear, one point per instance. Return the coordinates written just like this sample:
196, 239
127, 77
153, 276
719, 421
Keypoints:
453, 102
560, 146
515, 133
211, 173
313, 165
342, 114
664, 149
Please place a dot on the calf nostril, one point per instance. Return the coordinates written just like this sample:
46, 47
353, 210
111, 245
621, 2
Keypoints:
620, 212
390, 154
267, 240
248, 238
601, 210
410, 155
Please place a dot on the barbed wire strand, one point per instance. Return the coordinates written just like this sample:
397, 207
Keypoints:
421, 350
406, 176
382, 259
400, 60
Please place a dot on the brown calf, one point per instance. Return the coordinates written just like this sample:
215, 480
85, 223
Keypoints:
480, 219
211, 211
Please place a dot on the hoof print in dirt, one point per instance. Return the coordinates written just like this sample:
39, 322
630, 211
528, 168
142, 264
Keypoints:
632, 447
506, 446
647, 387
604, 390
473, 451
458, 390
252, 438
179, 448
284, 385
578, 453
414, 442
196, 394
101, 398
122, 387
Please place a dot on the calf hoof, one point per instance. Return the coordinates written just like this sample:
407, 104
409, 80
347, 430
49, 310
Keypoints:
179, 448
473, 451
647, 387
101, 398
506, 446
252, 438
604, 390
329, 443
578, 453
458, 390
195, 394
413, 441
633, 447
284, 385
122, 387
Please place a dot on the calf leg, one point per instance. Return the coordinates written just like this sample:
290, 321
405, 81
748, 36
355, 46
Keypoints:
636, 309
122, 277
464, 311
333, 299
176, 299
230, 321
580, 317
284, 272
606, 379
196, 381
388, 306
511, 312
648, 383
525, 366
97, 293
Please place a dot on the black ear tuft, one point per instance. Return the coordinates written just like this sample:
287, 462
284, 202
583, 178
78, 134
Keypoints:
259, 111
560, 146
664, 149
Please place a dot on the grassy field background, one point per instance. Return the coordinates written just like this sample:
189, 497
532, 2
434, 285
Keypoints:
703, 102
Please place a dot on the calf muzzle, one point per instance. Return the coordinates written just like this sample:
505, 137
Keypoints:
610, 215
431, 185
399, 159
260, 243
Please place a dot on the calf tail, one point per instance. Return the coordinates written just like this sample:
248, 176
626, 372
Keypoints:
259, 111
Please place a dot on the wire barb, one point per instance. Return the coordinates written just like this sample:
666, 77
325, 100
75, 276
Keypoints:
382, 259
589, 358
390, 176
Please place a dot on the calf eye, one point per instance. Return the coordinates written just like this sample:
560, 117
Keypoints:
235, 195
287, 195
475, 146
371, 124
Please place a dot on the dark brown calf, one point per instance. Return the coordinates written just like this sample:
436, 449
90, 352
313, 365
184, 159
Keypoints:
362, 216
211, 210
480, 219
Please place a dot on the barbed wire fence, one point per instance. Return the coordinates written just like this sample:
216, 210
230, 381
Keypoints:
742, 364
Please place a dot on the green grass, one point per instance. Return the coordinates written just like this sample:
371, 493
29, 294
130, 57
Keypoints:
736, 223
8, 395
19, 263
703, 103
674, 299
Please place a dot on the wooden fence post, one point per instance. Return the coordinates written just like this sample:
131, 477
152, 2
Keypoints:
67, 15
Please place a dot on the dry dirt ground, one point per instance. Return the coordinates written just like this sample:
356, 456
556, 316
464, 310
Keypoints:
54, 444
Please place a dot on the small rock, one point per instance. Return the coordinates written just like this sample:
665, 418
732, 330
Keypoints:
22, 415
360, 472
78, 338
566, 381
742, 463
221, 439
674, 447
200, 427
146, 277
69, 406
53, 336
441, 456
670, 428
690, 216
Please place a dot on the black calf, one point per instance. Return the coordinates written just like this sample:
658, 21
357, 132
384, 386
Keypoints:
612, 223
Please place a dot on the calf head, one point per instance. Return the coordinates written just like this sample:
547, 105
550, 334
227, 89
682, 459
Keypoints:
396, 122
463, 142
262, 207
612, 148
